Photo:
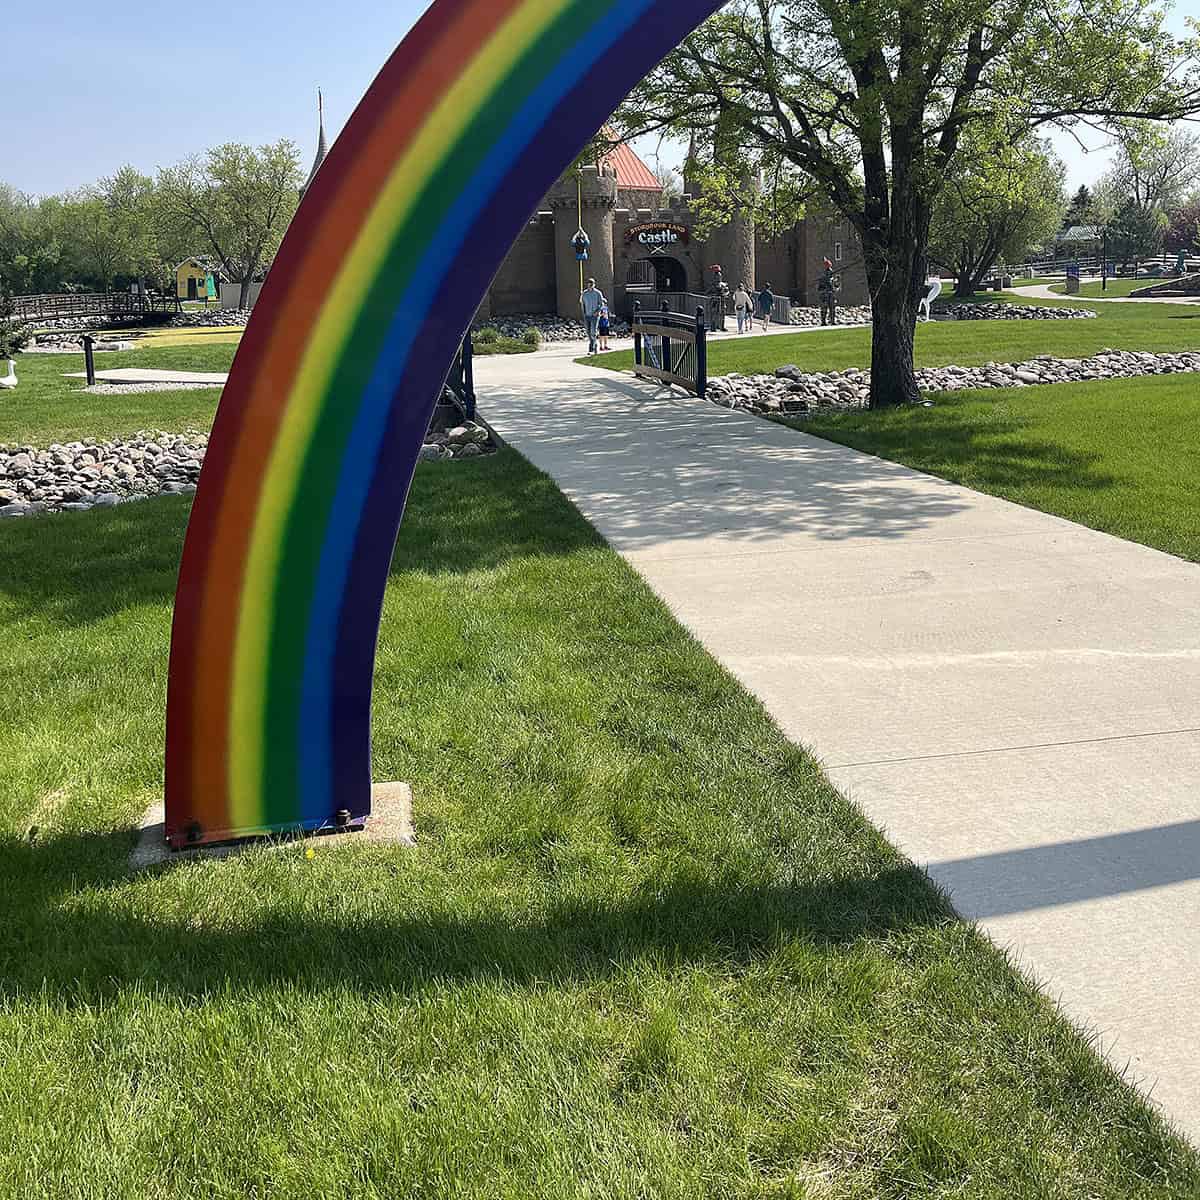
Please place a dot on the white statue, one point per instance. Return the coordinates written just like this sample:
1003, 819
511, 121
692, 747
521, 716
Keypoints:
933, 289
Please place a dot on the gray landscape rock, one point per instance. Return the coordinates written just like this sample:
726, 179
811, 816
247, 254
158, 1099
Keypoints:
89, 473
211, 318
850, 314
552, 327
791, 390
1011, 312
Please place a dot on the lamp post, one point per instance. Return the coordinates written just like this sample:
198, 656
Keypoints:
1104, 258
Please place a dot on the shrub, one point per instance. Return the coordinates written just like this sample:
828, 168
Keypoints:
487, 335
13, 333
532, 336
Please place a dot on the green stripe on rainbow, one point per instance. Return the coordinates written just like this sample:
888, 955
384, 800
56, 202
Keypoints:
343, 317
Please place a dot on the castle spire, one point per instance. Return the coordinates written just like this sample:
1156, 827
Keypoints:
322, 144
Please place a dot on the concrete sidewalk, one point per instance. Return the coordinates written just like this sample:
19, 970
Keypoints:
1046, 293
154, 375
1015, 699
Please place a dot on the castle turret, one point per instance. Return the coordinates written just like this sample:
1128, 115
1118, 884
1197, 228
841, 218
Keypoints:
322, 145
585, 199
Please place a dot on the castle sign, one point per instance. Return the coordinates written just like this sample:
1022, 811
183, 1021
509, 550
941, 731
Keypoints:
657, 234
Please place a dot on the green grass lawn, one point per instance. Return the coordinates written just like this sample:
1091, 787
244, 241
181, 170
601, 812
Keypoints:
642, 948
1119, 455
47, 407
1155, 327
1116, 287
502, 345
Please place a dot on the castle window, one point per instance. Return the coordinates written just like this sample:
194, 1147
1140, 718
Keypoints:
837, 252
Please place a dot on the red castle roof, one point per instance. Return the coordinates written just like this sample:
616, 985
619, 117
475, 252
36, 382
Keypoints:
631, 171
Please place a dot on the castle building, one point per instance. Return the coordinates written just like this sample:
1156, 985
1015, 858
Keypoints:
640, 245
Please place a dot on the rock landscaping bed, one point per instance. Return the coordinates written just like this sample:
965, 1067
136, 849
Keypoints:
791, 390
553, 328
1011, 312
468, 440
74, 476
67, 342
213, 318
851, 314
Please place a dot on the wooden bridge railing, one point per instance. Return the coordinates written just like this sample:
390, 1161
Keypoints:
92, 304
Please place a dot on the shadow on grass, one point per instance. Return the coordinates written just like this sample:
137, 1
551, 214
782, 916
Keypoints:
988, 452
76, 568
83, 946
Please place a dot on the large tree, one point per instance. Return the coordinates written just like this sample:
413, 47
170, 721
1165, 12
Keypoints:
1135, 233
236, 202
1004, 199
1155, 166
1183, 229
871, 99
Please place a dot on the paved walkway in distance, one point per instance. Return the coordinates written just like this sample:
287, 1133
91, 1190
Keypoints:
153, 375
1044, 292
1013, 698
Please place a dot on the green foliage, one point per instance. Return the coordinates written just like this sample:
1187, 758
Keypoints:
1155, 166
1003, 200
234, 203
532, 336
871, 104
1183, 229
1080, 209
1136, 232
486, 335
13, 334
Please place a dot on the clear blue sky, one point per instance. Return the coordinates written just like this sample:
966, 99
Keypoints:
95, 86
86, 89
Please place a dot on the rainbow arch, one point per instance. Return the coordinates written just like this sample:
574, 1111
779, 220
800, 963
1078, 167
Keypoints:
277, 611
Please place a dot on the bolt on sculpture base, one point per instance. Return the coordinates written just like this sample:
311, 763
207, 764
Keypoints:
390, 824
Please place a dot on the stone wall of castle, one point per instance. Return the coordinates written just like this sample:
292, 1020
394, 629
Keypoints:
541, 273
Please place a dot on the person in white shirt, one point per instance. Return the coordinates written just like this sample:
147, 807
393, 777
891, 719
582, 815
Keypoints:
591, 301
743, 308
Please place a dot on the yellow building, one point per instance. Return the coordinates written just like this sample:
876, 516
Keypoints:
191, 279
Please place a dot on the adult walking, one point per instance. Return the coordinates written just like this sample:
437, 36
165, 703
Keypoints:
591, 301
743, 308
827, 295
766, 306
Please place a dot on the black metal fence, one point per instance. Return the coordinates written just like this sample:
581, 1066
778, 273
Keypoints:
461, 380
671, 347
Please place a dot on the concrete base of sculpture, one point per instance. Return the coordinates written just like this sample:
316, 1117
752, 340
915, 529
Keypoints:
390, 823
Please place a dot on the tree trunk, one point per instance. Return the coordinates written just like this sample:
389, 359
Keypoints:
964, 285
895, 276
894, 321
244, 294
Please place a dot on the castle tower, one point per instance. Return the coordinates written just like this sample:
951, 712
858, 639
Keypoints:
590, 193
322, 145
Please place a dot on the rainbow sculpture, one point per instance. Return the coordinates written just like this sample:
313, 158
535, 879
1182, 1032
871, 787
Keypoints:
277, 612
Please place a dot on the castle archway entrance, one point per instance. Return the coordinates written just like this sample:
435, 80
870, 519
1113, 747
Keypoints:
655, 273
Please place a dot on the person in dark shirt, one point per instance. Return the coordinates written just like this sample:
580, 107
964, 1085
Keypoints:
766, 306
